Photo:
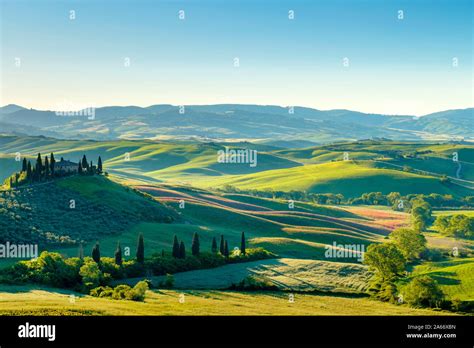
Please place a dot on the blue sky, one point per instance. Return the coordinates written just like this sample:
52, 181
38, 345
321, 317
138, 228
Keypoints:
395, 66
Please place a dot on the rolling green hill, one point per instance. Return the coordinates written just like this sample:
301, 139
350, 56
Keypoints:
386, 166
73, 209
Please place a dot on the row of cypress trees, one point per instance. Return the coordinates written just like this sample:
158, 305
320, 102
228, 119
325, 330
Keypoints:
178, 251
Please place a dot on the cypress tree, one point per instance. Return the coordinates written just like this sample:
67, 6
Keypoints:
226, 249
195, 245
46, 167
175, 247
85, 164
221, 246
52, 162
96, 252
140, 249
29, 172
11, 181
39, 163
242, 243
182, 250
118, 255
79, 168
24, 165
81, 252
99, 166
214, 245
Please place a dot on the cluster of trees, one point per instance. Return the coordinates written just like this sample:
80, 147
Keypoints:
421, 214
371, 198
388, 261
44, 170
459, 225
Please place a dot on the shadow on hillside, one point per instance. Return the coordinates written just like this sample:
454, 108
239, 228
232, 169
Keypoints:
16, 289
445, 278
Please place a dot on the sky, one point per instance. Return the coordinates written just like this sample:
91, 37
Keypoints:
362, 55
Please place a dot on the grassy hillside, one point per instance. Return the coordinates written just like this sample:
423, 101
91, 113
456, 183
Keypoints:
349, 178
69, 210
28, 300
286, 274
373, 165
455, 277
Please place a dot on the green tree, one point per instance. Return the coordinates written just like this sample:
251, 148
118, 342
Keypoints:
118, 255
141, 249
85, 164
214, 245
221, 247
421, 214
99, 166
24, 165
81, 252
195, 244
385, 259
46, 167
91, 274
39, 168
423, 291
52, 164
175, 252
226, 249
79, 168
441, 223
96, 252
410, 242
182, 250
242, 243
29, 172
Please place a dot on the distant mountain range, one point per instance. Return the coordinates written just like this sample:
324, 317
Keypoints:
274, 125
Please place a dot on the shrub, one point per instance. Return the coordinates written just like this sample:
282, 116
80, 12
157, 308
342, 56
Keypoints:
254, 283
423, 291
122, 292
168, 282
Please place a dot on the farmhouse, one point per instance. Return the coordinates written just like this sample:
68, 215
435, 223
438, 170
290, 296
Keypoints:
65, 166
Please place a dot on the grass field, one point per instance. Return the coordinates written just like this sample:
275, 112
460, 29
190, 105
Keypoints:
455, 277
286, 274
29, 300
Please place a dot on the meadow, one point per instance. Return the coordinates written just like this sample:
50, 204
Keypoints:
47, 301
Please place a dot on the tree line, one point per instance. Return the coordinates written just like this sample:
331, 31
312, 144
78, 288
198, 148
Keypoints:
391, 199
45, 169
178, 250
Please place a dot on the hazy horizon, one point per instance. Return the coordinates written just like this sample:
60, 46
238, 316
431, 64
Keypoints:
393, 58
217, 104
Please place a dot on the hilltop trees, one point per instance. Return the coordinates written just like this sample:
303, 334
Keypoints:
221, 247
99, 166
47, 169
226, 249
214, 245
242, 243
52, 163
